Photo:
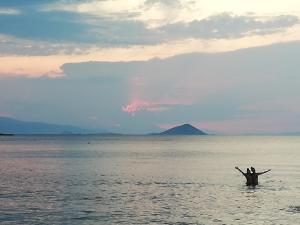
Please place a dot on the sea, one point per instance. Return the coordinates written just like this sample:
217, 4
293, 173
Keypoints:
92, 179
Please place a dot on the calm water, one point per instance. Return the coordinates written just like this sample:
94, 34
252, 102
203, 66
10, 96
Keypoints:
148, 180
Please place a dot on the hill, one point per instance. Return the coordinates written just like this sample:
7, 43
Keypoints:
185, 129
13, 126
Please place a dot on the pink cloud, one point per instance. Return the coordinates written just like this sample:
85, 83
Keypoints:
138, 105
159, 106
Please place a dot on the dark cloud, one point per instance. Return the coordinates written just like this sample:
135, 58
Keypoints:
53, 26
62, 26
26, 4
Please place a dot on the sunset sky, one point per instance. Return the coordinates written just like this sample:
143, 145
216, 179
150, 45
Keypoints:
139, 66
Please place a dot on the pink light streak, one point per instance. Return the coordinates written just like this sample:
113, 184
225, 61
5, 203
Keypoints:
160, 106
138, 105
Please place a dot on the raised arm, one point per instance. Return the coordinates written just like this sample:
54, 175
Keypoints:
239, 170
263, 172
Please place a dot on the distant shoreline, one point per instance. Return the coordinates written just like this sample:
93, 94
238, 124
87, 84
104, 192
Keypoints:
2, 134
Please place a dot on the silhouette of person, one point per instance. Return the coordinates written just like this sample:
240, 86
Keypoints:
247, 175
255, 175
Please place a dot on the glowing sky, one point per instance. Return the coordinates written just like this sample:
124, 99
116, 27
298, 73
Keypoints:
143, 65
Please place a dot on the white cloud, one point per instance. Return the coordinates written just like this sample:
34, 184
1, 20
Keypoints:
226, 25
153, 13
156, 13
10, 45
9, 11
106, 8
151, 22
108, 33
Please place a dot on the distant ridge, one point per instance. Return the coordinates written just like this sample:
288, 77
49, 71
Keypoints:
13, 126
2, 134
185, 129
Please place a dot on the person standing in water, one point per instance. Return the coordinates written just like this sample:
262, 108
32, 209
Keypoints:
252, 178
255, 175
247, 175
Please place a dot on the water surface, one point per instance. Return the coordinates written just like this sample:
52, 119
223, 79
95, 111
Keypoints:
142, 180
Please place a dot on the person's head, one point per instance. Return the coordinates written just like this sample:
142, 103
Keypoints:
252, 169
248, 171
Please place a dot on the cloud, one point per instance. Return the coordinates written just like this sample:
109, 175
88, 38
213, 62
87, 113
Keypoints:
163, 2
227, 25
10, 45
136, 106
9, 11
215, 88
71, 28
66, 24
52, 26
99, 70
63, 26
121, 9
209, 89
139, 105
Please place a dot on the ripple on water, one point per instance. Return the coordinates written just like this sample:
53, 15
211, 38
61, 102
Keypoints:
135, 182
294, 208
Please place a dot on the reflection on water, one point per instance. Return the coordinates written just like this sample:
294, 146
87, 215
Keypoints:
142, 180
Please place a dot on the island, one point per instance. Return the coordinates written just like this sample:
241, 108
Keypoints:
185, 129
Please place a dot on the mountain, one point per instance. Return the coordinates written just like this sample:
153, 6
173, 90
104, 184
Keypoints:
185, 129
13, 126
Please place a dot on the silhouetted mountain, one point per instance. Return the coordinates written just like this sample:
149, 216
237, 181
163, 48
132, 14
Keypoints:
13, 126
185, 129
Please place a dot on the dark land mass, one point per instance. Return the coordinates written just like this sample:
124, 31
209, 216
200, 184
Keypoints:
10, 126
13, 126
185, 129
2, 134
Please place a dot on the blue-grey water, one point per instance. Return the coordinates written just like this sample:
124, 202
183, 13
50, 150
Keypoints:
148, 180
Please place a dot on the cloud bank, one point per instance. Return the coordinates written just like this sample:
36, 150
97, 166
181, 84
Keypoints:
251, 90
78, 27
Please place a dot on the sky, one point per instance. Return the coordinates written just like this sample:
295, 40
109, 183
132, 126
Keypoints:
141, 66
